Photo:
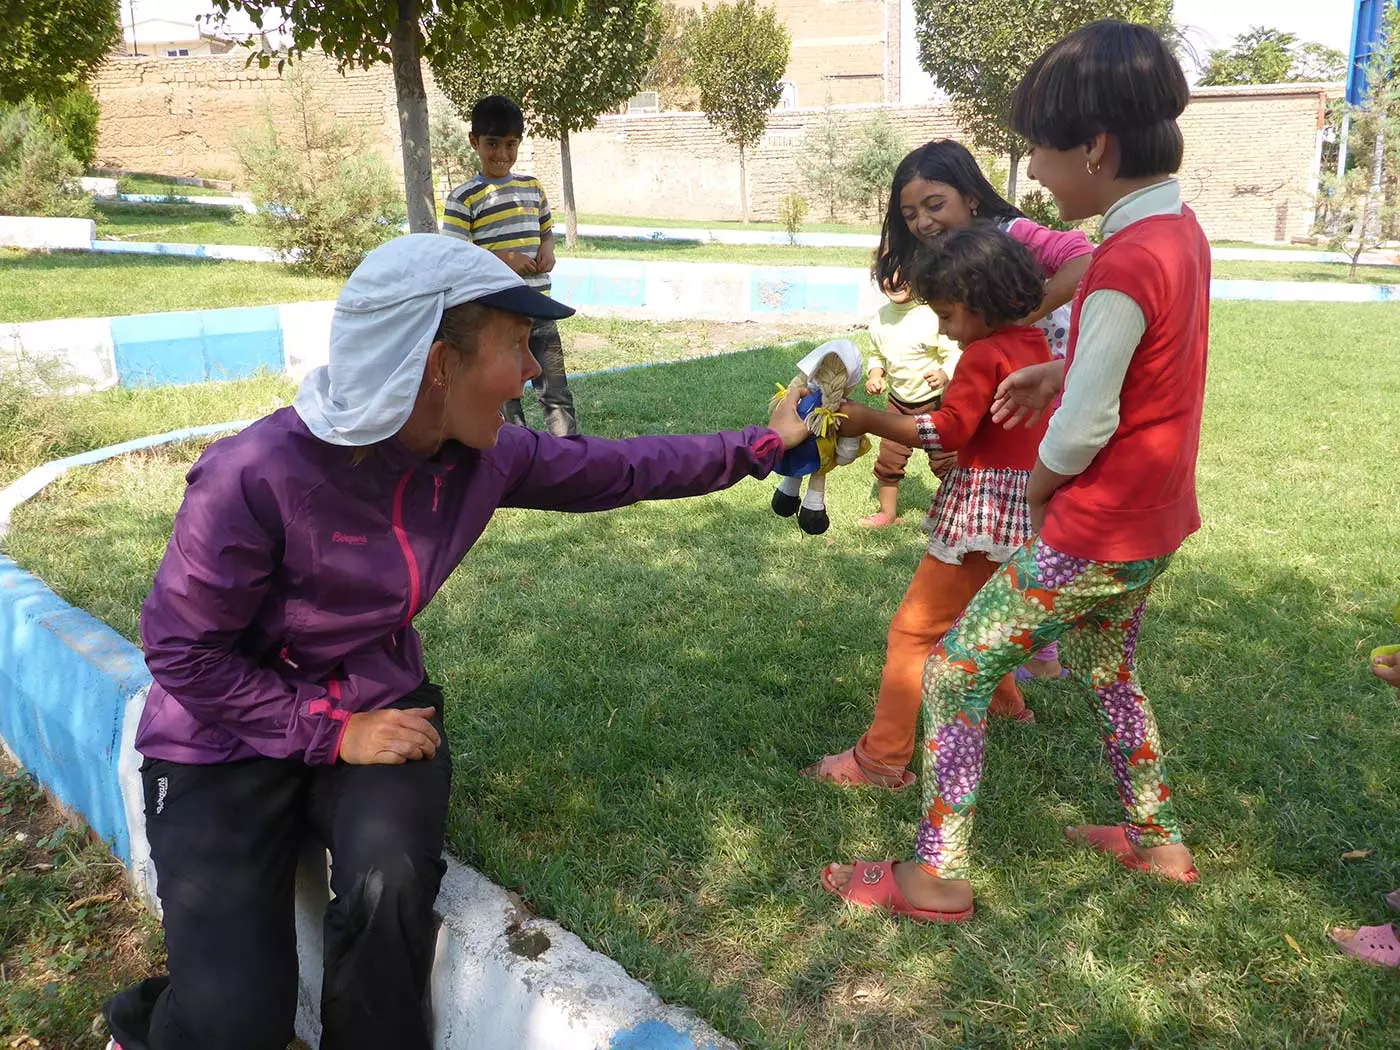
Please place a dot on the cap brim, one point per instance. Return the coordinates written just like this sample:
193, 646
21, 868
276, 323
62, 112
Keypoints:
528, 303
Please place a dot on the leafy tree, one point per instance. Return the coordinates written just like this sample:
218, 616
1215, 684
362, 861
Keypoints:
325, 199
52, 46
870, 171
565, 71
453, 155
38, 175
825, 155
1271, 56
978, 50
738, 54
401, 32
669, 72
1357, 202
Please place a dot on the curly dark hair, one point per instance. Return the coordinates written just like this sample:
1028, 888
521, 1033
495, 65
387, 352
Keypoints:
943, 160
983, 269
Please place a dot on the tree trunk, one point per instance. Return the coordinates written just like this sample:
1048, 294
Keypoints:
743, 186
1011, 178
566, 169
405, 49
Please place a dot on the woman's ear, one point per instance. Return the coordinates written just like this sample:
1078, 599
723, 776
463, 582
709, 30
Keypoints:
435, 371
1096, 153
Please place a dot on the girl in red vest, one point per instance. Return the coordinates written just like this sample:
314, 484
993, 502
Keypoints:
1112, 494
980, 282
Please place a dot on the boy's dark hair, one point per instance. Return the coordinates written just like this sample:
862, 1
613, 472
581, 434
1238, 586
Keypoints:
943, 160
498, 116
1111, 77
985, 270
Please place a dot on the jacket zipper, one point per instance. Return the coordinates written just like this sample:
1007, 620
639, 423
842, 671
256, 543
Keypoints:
415, 584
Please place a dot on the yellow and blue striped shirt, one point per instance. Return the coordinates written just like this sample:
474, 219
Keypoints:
501, 215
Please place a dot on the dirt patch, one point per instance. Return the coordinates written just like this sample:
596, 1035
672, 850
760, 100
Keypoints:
71, 931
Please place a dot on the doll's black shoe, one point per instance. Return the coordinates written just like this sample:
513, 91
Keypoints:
813, 522
784, 506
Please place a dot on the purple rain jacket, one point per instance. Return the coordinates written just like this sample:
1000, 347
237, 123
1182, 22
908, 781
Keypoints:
285, 600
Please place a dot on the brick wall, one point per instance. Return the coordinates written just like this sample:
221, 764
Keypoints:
1249, 161
178, 116
1249, 151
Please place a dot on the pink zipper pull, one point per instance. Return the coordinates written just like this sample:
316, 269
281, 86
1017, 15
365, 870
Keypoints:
286, 659
437, 488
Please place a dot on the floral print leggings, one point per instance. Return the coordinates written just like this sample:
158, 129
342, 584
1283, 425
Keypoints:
1094, 609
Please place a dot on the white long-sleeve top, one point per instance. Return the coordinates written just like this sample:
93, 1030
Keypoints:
1111, 325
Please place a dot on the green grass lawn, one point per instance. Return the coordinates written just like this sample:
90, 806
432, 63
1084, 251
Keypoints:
632, 693
176, 224
39, 285
154, 184
34, 430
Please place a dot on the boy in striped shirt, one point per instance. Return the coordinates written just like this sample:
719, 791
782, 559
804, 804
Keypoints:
508, 214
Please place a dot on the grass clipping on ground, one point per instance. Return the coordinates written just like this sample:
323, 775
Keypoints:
631, 695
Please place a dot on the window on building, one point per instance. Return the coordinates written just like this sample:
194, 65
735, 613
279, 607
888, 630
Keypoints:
182, 52
788, 99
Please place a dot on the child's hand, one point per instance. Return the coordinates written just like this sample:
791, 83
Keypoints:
519, 262
858, 418
1387, 669
544, 261
937, 380
1025, 394
875, 383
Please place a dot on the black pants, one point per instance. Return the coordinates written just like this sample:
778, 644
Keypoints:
552, 384
225, 841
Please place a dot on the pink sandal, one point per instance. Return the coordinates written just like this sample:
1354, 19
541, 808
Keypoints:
845, 771
873, 886
1113, 840
1377, 945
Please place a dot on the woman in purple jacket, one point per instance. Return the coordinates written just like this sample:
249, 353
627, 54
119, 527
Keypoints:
289, 695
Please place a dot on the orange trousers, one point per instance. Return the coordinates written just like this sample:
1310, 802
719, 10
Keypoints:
937, 595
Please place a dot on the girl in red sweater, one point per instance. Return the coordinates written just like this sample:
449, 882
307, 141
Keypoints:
1112, 494
979, 282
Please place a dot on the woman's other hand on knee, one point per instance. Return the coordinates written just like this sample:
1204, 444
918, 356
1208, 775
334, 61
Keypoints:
389, 737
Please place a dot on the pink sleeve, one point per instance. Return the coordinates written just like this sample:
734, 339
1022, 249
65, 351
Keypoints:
1051, 248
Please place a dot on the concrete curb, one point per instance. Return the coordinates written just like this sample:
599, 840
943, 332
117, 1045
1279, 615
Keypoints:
71, 697
198, 345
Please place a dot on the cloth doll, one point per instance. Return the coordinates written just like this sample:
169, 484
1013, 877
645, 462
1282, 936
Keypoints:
827, 375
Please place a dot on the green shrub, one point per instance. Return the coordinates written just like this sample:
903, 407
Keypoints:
38, 174
870, 170
74, 117
324, 197
1039, 206
792, 210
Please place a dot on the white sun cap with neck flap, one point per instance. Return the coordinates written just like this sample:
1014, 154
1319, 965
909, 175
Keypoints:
384, 322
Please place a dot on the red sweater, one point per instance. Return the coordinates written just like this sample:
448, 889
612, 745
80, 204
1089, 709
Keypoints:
1137, 499
964, 423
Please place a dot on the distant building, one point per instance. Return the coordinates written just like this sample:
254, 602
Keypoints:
849, 51
166, 38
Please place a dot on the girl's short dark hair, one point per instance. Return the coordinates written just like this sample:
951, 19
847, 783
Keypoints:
985, 270
498, 116
946, 161
1111, 77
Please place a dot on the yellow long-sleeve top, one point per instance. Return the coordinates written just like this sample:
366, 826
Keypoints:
905, 342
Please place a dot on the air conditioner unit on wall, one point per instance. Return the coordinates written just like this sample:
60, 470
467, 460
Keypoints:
644, 102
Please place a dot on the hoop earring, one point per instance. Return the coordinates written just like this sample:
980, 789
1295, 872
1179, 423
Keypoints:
1092, 169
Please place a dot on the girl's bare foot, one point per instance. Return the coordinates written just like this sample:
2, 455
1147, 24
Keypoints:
879, 520
1172, 860
1045, 669
922, 890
